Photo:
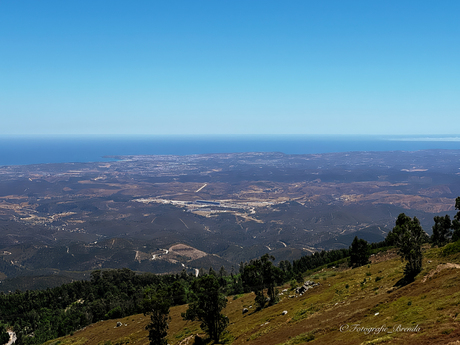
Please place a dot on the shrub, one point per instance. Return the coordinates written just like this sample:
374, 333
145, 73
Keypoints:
115, 313
451, 248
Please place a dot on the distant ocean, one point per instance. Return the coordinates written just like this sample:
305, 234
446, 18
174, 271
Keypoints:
28, 150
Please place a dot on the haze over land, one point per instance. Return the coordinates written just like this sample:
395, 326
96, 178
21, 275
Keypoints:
166, 213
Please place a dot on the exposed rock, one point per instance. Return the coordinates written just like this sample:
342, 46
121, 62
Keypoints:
309, 284
284, 312
245, 310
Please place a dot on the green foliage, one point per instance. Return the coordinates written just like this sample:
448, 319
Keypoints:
4, 336
318, 259
293, 284
441, 231
287, 269
56, 312
304, 313
178, 292
456, 221
408, 236
207, 302
261, 274
359, 252
302, 338
115, 313
451, 248
384, 247
156, 304
184, 333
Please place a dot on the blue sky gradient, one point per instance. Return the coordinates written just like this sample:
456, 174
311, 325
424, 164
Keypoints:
229, 67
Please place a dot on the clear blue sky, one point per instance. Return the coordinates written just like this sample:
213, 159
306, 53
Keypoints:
229, 67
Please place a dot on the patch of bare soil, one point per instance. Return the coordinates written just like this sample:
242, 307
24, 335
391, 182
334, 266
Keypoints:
438, 269
383, 256
187, 251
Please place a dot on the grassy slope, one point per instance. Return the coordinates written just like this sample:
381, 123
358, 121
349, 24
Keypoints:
433, 305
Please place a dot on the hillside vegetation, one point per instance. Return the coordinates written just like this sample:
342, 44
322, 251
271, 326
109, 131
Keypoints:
426, 310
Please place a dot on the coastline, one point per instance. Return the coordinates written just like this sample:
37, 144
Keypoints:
43, 150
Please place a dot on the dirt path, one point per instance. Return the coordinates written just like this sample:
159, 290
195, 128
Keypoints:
439, 269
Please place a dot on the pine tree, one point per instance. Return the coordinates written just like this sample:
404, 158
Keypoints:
261, 274
408, 236
359, 252
441, 231
206, 306
456, 221
156, 304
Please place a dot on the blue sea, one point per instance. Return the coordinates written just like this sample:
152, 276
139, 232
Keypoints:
38, 150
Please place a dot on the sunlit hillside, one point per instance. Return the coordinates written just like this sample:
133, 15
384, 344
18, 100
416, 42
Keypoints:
426, 311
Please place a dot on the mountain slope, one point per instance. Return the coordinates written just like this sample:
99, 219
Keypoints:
426, 309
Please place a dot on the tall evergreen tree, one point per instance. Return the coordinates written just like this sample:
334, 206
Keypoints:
408, 236
156, 304
271, 275
456, 221
261, 274
441, 231
360, 251
206, 306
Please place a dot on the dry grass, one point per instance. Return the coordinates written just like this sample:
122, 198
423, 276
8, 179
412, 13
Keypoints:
131, 332
365, 296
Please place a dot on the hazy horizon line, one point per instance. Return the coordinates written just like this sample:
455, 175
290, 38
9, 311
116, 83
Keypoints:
392, 137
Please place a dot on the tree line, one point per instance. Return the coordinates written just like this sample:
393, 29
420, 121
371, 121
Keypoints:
41, 315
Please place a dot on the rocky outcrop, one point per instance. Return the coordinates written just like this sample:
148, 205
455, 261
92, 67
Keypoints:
309, 284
